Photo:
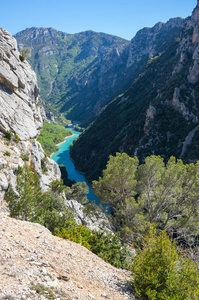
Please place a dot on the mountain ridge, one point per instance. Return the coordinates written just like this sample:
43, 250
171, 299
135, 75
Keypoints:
105, 75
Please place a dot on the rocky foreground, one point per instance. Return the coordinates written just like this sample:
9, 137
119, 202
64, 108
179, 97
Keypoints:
34, 264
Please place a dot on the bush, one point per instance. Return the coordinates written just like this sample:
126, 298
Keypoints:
31, 204
103, 244
7, 153
24, 53
161, 273
16, 138
24, 157
8, 134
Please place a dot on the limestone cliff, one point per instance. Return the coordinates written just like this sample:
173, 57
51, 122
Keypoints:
19, 91
20, 117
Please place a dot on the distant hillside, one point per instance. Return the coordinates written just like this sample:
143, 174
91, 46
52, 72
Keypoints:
67, 66
80, 74
158, 114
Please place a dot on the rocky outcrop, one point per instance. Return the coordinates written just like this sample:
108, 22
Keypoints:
19, 111
94, 221
20, 114
37, 265
150, 42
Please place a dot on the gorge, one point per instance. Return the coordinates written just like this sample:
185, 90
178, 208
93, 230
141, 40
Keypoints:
138, 105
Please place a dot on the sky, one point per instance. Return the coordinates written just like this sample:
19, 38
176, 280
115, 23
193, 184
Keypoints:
122, 18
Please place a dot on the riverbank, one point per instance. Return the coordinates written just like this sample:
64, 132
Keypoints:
62, 157
68, 136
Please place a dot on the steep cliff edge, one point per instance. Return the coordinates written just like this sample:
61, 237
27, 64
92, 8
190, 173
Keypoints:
20, 117
18, 91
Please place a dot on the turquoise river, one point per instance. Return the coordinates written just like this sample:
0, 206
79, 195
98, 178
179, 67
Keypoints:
62, 157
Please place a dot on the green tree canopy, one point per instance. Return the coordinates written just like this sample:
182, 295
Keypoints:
160, 272
154, 192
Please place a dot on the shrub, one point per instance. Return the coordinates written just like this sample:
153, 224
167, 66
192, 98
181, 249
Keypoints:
8, 134
105, 245
16, 138
7, 153
31, 204
25, 157
161, 273
24, 53
44, 164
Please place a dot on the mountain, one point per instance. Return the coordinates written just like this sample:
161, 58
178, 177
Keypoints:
68, 64
80, 74
158, 114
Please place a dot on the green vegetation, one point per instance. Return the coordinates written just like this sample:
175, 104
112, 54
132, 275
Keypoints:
8, 134
31, 204
16, 138
121, 125
24, 53
47, 292
147, 201
52, 134
50, 210
106, 245
70, 61
155, 193
24, 157
7, 153
161, 272
64, 176
78, 128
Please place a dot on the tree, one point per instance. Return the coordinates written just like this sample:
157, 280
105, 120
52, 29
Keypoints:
118, 183
22, 205
77, 192
168, 194
29, 203
154, 192
160, 272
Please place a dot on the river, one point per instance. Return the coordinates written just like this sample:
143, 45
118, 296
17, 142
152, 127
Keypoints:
62, 157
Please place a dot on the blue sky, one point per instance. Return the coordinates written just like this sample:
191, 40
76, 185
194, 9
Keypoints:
118, 17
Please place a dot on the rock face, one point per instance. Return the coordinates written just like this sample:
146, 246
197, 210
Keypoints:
20, 114
37, 265
18, 91
159, 113
98, 221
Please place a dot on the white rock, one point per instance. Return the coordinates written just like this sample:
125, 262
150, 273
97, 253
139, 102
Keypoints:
93, 222
3, 182
3, 163
18, 91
